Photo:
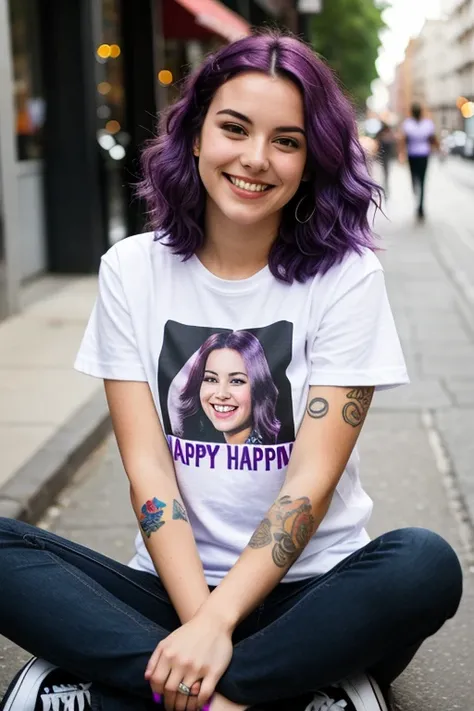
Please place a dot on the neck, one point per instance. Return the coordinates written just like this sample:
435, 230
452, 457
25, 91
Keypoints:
233, 251
239, 437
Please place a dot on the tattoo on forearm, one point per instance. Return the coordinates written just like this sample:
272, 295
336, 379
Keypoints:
151, 515
354, 412
289, 526
318, 407
179, 512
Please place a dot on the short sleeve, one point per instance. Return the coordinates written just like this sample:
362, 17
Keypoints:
109, 349
356, 342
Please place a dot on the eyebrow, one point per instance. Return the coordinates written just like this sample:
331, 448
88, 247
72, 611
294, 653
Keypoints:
242, 117
236, 373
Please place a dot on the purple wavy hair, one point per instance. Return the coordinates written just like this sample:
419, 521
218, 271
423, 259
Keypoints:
263, 390
339, 188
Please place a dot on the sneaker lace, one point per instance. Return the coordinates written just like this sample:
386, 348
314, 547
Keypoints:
323, 702
67, 698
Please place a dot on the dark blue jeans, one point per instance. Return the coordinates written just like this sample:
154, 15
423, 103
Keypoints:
101, 620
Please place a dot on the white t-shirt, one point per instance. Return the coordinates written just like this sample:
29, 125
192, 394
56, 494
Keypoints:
233, 360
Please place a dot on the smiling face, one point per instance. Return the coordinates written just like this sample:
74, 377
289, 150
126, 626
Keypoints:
252, 148
225, 393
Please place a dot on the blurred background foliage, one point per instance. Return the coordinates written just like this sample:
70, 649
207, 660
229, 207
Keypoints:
346, 34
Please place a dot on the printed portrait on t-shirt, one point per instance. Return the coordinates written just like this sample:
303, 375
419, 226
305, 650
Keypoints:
226, 386
230, 383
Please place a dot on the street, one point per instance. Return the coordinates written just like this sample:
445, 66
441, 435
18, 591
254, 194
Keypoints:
416, 448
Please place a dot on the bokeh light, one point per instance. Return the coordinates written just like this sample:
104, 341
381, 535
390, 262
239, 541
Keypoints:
115, 51
103, 51
112, 126
104, 87
165, 77
467, 109
117, 152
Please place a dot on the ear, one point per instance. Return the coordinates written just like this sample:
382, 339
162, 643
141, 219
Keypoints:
306, 176
196, 147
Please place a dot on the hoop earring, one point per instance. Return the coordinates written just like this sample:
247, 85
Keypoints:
303, 222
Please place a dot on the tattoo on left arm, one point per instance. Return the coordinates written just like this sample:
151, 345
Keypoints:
354, 412
179, 512
151, 515
289, 526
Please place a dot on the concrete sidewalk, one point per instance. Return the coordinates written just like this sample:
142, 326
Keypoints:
50, 416
435, 319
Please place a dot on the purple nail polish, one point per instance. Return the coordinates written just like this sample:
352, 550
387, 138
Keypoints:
156, 698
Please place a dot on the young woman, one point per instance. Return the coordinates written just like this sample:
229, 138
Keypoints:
255, 583
230, 383
419, 138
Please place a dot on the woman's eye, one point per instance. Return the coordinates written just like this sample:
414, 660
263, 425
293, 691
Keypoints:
238, 381
209, 379
234, 128
288, 142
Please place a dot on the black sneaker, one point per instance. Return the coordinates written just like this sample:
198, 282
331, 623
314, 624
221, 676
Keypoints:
41, 686
331, 699
357, 693
364, 693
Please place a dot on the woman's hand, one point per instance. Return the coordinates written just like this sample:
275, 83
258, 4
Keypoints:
199, 651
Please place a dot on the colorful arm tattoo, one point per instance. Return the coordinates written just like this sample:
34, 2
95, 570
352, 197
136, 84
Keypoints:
288, 526
151, 515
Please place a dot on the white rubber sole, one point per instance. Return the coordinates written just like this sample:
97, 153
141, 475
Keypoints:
23, 691
364, 692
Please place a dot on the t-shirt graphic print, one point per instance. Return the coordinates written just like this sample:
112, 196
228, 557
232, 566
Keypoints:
225, 397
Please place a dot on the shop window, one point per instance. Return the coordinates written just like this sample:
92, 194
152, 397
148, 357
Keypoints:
112, 135
30, 107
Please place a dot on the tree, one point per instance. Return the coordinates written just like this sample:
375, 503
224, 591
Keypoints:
346, 34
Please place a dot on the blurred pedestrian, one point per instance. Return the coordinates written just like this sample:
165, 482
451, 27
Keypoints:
419, 139
386, 143
240, 340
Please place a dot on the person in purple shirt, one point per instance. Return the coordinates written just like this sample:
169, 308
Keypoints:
419, 138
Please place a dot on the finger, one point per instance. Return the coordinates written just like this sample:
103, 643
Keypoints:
171, 695
208, 686
160, 675
187, 703
152, 662
192, 704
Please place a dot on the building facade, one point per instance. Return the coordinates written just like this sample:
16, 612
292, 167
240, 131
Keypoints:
401, 89
438, 69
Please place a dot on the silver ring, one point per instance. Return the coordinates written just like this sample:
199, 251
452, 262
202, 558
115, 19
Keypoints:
183, 689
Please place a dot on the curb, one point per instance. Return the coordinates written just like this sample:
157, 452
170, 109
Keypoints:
35, 485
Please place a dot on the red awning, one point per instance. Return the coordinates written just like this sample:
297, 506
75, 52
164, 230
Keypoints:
217, 18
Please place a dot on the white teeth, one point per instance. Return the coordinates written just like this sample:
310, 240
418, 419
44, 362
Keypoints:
251, 187
223, 408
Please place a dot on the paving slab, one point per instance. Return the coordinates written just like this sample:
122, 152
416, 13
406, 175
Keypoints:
42, 399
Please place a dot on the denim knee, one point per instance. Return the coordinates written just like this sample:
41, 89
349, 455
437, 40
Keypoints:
11, 526
432, 568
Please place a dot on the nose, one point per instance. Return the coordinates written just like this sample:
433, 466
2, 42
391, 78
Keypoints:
255, 157
222, 392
